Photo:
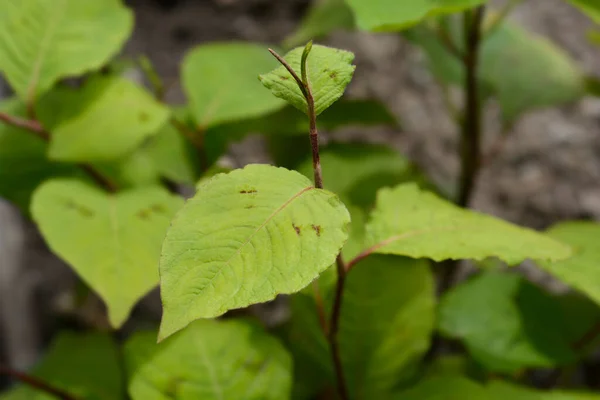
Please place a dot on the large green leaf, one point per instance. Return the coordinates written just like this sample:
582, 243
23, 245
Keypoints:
517, 89
245, 237
220, 81
408, 221
582, 271
323, 17
106, 119
220, 360
590, 7
111, 240
329, 71
386, 322
394, 15
508, 323
23, 161
85, 365
460, 388
42, 41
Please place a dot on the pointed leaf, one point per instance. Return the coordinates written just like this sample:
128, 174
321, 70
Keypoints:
85, 365
580, 271
394, 15
220, 81
329, 72
105, 120
245, 237
508, 323
411, 222
323, 17
386, 323
220, 360
23, 161
42, 41
112, 240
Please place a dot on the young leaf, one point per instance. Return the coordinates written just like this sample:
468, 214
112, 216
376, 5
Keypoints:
408, 221
220, 360
105, 120
590, 7
85, 365
329, 72
581, 270
395, 15
508, 323
323, 17
385, 326
245, 237
42, 41
111, 240
23, 161
220, 81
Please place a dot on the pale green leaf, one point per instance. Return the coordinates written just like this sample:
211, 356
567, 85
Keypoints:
329, 72
386, 323
323, 17
105, 120
245, 237
23, 161
220, 82
590, 7
582, 270
461, 388
42, 41
394, 15
220, 360
86, 365
137, 169
111, 240
408, 221
508, 324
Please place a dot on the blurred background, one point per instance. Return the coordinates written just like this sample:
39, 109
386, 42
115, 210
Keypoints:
549, 169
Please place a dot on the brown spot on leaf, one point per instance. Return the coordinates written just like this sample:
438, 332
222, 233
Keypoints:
283, 77
297, 229
144, 117
81, 209
317, 229
249, 206
158, 208
248, 191
333, 75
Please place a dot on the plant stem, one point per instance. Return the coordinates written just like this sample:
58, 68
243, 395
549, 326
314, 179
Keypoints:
36, 383
37, 129
331, 334
588, 338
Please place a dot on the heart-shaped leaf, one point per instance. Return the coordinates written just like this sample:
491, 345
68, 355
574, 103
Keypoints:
329, 72
245, 237
105, 120
220, 81
408, 221
111, 240
210, 360
42, 41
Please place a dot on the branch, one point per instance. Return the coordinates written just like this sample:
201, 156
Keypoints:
36, 383
37, 129
588, 338
195, 137
445, 38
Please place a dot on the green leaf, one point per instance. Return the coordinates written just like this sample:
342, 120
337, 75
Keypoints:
245, 237
329, 72
322, 18
220, 81
112, 241
581, 270
42, 41
105, 120
135, 170
508, 323
517, 89
395, 15
460, 388
23, 161
220, 360
408, 221
86, 365
590, 7
386, 322
356, 171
